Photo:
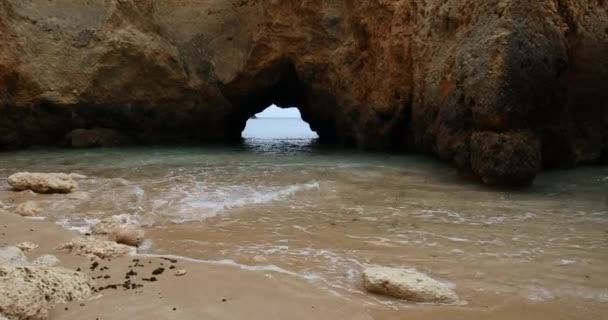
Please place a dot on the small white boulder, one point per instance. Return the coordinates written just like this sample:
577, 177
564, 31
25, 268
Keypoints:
12, 256
407, 285
46, 260
100, 248
29, 292
181, 272
107, 225
28, 209
43, 182
27, 246
130, 235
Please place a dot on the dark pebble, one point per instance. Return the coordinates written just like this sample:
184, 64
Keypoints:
158, 271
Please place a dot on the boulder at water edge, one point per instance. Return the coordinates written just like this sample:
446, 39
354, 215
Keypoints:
407, 284
28, 209
109, 224
43, 182
96, 247
130, 235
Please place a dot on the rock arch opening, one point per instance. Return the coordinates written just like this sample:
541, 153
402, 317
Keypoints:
276, 123
277, 86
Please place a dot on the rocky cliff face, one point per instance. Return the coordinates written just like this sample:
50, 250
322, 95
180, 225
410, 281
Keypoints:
500, 88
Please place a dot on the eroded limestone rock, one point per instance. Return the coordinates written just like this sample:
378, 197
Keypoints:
12, 256
43, 182
28, 209
107, 225
27, 246
46, 260
100, 248
29, 292
407, 285
130, 235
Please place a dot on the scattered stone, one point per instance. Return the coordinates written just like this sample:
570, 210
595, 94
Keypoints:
12, 256
180, 272
109, 224
99, 248
79, 195
158, 271
28, 209
30, 292
129, 235
46, 260
43, 182
27, 246
407, 284
151, 279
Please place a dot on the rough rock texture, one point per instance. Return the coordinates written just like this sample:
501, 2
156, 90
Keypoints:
95, 247
12, 255
454, 78
28, 209
29, 292
27, 246
407, 284
129, 235
108, 225
43, 182
46, 260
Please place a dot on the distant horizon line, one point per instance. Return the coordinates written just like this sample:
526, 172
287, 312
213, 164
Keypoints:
258, 118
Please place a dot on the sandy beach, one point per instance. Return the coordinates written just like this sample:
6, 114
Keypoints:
224, 292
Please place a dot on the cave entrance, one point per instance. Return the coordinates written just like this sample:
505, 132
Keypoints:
278, 124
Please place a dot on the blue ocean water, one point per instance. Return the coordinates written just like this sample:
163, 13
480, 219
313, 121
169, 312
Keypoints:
278, 128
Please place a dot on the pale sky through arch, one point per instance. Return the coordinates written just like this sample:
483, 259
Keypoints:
275, 112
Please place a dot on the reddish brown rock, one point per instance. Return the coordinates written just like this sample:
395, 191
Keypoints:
449, 77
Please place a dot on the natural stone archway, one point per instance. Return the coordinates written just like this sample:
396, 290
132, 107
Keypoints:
499, 88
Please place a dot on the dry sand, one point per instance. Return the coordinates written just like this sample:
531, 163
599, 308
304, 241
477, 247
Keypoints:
224, 292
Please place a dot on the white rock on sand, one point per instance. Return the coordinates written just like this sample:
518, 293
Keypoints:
181, 272
28, 209
130, 235
43, 182
27, 246
408, 285
100, 248
46, 260
30, 292
12, 256
107, 225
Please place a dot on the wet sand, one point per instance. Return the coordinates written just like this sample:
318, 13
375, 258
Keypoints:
224, 292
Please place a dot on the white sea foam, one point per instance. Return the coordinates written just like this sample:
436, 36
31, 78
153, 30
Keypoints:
201, 205
565, 262
232, 263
